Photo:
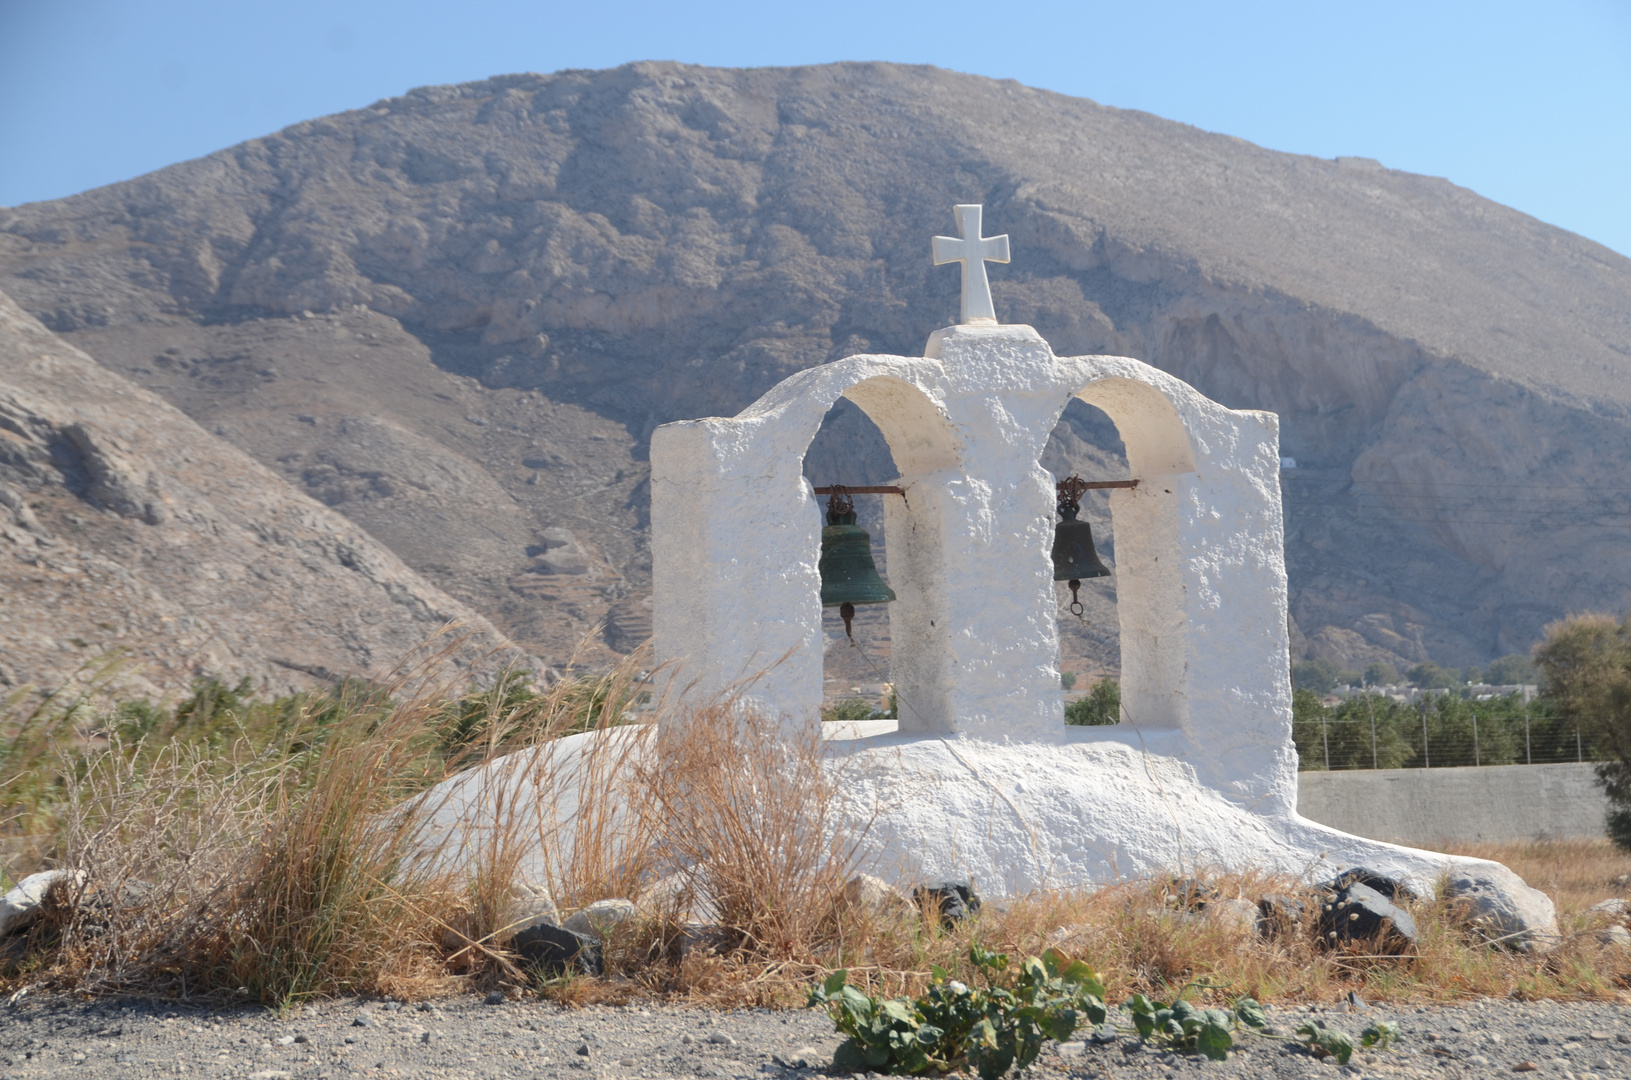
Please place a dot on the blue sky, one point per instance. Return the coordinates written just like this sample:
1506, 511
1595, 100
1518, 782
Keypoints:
1528, 104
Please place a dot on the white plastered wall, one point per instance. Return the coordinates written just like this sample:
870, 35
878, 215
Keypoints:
1200, 583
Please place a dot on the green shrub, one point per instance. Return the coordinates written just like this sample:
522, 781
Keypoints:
1381, 673
850, 708
1512, 670
993, 1028
1429, 676
1101, 705
1318, 675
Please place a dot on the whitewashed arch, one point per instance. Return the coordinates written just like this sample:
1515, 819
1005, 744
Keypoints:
730, 494
1149, 579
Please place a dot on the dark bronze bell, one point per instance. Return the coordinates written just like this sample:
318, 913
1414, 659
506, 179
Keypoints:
848, 574
1074, 556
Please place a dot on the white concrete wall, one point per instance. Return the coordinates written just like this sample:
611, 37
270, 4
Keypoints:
1200, 582
1465, 805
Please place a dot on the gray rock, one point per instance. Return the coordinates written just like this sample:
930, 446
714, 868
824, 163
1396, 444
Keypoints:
955, 900
601, 916
1388, 887
864, 892
1360, 913
1616, 907
21, 906
805, 1057
555, 950
1279, 913
1508, 910
703, 936
530, 904
1235, 915
1615, 936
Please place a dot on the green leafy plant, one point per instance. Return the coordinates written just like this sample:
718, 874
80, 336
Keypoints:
1187, 1029
1101, 705
1326, 1042
1329, 1042
850, 708
993, 1028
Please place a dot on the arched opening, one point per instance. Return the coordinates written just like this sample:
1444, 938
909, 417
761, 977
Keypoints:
883, 431
1141, 535
1085, 443
849, 449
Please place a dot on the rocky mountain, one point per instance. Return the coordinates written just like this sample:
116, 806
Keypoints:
136, 546
456, 316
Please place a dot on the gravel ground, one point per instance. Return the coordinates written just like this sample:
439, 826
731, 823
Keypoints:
47, 1036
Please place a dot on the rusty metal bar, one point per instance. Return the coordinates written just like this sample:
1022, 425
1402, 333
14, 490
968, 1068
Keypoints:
1092, 485
863, 490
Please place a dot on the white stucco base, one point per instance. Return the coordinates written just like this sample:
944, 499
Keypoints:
1088, 812
1093, 810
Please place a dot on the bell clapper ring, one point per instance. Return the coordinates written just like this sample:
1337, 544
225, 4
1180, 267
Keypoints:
1076, 608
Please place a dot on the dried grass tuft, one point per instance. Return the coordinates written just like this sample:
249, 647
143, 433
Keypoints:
745, 816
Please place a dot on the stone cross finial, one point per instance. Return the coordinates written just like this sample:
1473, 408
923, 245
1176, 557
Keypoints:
973, 251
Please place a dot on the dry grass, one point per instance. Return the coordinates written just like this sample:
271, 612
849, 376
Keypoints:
304, 866
746, 817
1142, 942
276, 872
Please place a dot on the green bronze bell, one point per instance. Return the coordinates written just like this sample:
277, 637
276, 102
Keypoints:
848, 574
1074, 556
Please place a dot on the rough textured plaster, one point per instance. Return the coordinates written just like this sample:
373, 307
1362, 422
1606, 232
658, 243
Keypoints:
1088, 811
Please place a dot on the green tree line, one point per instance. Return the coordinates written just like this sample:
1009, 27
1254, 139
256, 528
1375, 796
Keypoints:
1371, 731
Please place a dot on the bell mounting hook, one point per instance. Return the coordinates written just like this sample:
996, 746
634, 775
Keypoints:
840, 505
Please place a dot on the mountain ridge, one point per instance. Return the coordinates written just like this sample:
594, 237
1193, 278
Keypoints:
127, 531
521, 277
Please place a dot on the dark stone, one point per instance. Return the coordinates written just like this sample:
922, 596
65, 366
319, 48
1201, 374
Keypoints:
555, 950
1360, 913
1390, 888
954, 900
1278, 913
496, 997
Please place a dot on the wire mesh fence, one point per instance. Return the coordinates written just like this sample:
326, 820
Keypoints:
1376, 732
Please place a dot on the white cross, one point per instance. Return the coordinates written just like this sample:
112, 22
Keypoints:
973, 251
